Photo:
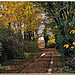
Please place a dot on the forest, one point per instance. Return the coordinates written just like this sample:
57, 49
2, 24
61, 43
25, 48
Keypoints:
20, 30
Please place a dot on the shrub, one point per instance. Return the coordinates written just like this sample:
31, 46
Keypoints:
51, 43
31, 47
1, 49
14, 46
28, 49
26, 55
10, 44
64, 38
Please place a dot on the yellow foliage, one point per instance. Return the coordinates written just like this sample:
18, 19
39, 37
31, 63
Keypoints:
73, 43
12, 28
72, 31
71, 11
20, 12
7, 25
66, 61
66, 45
72, 48
74, 13
18, 28
22, 29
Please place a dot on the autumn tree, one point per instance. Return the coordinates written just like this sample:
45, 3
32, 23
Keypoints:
21, 16
18, 23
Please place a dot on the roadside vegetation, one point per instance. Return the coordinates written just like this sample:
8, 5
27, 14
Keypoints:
19, 26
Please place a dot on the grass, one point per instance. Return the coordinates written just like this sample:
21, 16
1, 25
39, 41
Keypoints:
5, 68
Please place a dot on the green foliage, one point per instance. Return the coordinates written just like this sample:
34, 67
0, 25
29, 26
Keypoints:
63, 37
14, 46
51, 43
26, 55
28, 49
9, 43
66, 69
31, 47
1, 49
63, 22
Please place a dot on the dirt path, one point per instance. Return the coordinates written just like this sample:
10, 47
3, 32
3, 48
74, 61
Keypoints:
48, 61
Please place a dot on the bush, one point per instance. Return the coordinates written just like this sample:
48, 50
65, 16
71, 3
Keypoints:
64, 38
10, 44
1, 49
51, 43
27, 55
31, 47
14, 46
28, 49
